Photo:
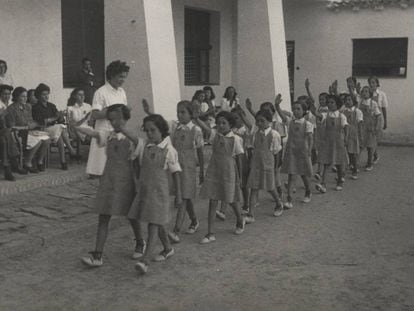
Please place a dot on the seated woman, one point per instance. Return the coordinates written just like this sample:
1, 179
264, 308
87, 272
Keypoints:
8, 150
19, 116
48, 117
78, 113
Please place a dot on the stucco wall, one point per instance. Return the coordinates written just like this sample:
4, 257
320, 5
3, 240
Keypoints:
31, 37
323, 52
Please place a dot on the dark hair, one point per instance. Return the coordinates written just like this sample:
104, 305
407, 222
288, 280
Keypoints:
208, 88
126, 113
71, 99
29, 92
303, 105
265, 114
228, 116
369, 90
187, 105
85, 59
263, 105
17, 92
354, 80
374, 78
226, 93
5, 87
41, 88
115, 68
323, 94
354, 103
197, 93
4, 63
159, 122
338, 102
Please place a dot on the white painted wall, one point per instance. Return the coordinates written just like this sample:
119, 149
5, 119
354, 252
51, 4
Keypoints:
125, 39
323, 52
227, 9
261, 52
31, 44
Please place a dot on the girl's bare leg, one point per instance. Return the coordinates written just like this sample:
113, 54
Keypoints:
152, 234
211, 215
102, 234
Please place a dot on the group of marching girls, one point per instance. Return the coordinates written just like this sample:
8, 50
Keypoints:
141, 174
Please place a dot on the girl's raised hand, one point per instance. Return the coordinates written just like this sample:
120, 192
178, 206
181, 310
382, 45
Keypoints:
248, 104
358, 88
278, 99
307, 83
201, 177
145, 105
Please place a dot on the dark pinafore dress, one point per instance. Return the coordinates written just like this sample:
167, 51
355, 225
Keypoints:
262, 164
222, 181
334, 151
116, 189
297, 160
368, 128
353, 137
152, 203
183, 142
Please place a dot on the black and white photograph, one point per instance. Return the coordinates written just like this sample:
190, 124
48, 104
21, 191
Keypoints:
174, 155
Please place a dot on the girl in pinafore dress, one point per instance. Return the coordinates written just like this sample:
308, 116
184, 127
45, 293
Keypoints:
222, 181
333, 152
157, 160
370, 125
241, 128
264, 146
354, 118
279, 127
297, 157
187, 139
116, 190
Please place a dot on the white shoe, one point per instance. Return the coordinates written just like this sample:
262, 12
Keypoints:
369, 168
220, 215
307, 198
174, 238
91, 261
141, 267
193, 228
249, 219
339, 187
288, 205
139, 250
240, 230
278, 211
354, 177
164, 255
208, 239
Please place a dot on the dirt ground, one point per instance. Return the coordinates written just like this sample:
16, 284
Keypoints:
349, 250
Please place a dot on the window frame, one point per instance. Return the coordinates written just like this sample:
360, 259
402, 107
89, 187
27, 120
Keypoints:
370, 69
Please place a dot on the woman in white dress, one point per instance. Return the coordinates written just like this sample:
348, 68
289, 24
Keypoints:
109, 94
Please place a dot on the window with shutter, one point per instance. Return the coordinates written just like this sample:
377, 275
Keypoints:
382, 57
198, 48
82, 36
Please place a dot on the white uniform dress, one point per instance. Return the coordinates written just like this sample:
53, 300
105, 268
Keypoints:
104, 97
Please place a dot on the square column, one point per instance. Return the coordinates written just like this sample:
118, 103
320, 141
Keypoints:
141, 32
262, 70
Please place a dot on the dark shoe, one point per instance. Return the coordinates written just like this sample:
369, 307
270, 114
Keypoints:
8, 174
41, 167
64, 166
18, 170
31, 170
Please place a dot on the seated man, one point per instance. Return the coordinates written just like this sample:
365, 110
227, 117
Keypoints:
47, 116
19, 116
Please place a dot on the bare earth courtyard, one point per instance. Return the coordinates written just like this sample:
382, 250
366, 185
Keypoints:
349, 250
